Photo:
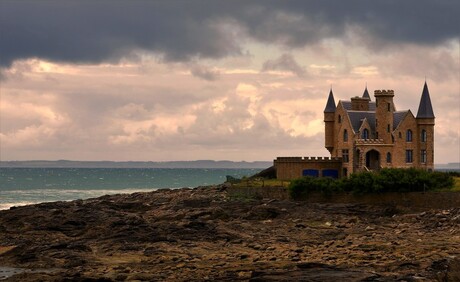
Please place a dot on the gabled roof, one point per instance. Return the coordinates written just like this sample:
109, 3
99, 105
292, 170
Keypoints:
357, 118
425, 110
398, 117
347, 105
330, 105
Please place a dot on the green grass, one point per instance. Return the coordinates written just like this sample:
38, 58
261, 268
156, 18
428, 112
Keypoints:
456, 184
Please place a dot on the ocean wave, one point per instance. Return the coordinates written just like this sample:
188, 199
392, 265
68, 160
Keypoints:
6, 206
12, 198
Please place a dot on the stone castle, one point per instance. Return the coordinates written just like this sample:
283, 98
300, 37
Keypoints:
366, 135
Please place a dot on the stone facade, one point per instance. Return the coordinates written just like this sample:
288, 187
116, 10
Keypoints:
363, 135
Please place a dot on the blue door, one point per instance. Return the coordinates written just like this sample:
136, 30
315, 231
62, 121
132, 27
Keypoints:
331, 173
310, 172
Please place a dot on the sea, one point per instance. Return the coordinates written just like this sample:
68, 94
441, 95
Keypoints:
25, 186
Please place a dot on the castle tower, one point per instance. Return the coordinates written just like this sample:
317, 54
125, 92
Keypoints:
329, 119
384, 115
425, 130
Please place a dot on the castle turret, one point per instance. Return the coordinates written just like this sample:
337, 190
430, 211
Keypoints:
366, 94
425, 109
329, 118
384, 115
425, 130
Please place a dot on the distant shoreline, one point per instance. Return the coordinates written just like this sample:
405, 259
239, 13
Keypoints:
207, 164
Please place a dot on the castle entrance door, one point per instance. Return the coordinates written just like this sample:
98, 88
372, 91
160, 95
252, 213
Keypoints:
373, 160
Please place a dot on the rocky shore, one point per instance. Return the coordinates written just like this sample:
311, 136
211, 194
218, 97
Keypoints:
207, 234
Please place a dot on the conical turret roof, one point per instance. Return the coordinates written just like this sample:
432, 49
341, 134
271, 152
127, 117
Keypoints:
330, 106
366, 94
425, 110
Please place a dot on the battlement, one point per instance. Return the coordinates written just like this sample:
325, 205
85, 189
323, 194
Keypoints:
384, 92
307, 159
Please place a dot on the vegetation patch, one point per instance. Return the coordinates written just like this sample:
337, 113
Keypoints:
260, 182
383, 181
456, 184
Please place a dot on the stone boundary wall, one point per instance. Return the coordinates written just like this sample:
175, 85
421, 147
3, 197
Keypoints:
413, 200
293, 167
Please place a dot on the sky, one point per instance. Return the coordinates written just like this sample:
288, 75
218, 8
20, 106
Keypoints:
213, 79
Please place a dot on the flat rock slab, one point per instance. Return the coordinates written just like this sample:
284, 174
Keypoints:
208, 234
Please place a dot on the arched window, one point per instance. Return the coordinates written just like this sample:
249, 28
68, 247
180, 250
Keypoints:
340, 118
423, 135
365, 134
409, 135
388, 157
345, 135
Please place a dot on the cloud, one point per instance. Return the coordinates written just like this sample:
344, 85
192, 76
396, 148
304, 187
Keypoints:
285, 62
204, 72
104, 31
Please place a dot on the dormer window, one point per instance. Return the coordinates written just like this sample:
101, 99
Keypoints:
340, 119
345, 135
365, 134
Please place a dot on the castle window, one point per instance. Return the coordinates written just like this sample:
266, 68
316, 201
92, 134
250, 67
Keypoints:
388, 127
423, 156
423, 135
376, 135
365, 135
345, 157
399, 135
345, 135
388, 157
389, 107
409, 135
340, 119
409, 156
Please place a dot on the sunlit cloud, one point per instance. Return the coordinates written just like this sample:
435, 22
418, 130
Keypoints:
241, 81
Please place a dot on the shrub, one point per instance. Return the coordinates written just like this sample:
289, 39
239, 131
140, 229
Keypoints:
397, 180
300, 188
386, 180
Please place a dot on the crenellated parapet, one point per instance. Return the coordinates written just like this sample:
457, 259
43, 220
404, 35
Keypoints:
384, 92
308, 159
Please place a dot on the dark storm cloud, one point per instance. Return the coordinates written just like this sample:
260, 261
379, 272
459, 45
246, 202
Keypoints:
95, 31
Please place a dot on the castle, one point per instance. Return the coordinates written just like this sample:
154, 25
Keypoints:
366, 135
